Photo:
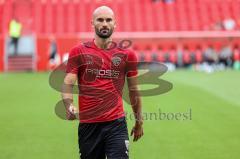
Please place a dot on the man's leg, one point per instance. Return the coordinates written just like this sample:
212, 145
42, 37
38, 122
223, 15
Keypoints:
15, 43
116, 140
11, 43
91, 145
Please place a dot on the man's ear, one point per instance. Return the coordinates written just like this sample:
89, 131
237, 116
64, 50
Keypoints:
115, 25
92, 23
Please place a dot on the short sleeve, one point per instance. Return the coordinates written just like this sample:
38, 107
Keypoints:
73, 62
132, 63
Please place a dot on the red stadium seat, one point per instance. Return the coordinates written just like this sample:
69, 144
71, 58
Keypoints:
1, 13
199, 56
148, 56
186, 57
236, 55
160, 55
173, 56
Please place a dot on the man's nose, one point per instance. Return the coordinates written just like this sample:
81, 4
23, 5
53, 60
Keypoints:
104, 23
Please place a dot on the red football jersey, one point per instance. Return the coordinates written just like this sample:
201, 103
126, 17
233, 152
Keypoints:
101, 77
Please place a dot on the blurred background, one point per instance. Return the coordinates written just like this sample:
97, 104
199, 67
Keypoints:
180, 32
198, 40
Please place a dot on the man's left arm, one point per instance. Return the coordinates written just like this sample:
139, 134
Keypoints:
136, 103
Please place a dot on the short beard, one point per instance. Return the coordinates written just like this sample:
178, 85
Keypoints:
104, 36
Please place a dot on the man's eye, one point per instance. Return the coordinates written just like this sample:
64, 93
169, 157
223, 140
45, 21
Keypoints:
109, 20
100, 20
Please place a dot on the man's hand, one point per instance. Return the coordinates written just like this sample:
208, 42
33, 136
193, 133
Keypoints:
71, 112
137, 131
67, 96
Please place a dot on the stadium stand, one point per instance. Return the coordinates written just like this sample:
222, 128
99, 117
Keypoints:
185, 25
71, 16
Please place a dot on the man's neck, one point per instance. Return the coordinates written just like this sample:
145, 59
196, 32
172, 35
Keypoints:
102, 43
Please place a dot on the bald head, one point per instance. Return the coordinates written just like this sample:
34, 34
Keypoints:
103, 10
103, 21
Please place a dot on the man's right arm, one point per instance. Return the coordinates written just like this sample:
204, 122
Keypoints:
67, 95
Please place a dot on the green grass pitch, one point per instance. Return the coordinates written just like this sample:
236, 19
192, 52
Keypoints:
29, 128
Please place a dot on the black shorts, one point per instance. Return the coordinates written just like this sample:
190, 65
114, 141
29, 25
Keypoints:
104, 139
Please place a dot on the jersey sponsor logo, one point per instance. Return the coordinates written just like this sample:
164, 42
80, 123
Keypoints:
116, 60
102, 73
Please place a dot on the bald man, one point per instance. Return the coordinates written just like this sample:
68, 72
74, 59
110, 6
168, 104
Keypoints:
100, 70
